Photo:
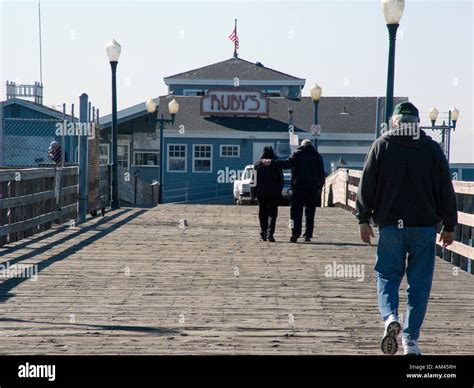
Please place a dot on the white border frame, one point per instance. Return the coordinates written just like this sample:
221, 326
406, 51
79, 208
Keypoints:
185, 157
229, 145
211, 158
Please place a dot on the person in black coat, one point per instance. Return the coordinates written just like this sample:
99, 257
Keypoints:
269, 184
307, 180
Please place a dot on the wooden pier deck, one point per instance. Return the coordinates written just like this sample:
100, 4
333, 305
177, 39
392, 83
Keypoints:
137, 282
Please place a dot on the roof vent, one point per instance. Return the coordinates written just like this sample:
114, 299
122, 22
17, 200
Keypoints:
259, 64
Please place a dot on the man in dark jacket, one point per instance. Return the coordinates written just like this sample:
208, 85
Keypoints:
406, 189
307, 180
268, 191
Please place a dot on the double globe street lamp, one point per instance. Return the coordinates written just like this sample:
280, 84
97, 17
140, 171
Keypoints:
445, 129
152, 109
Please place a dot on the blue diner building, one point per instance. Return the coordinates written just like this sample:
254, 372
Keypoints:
228, 111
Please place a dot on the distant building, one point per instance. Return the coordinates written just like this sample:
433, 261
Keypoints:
26, 130
228, 112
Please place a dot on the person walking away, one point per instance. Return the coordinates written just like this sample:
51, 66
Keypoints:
307, 180
406, 188
269, 184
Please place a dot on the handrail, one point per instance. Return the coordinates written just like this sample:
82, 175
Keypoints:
340, 190
32, 198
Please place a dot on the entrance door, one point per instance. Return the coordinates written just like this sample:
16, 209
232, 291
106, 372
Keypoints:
258, 148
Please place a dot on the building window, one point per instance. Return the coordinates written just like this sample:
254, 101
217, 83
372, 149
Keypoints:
104, 152
146, 158
202, 158
230, 151
177, 157
194, 92
123, 155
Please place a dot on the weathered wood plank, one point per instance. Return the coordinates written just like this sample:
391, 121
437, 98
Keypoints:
26, 199
137, 283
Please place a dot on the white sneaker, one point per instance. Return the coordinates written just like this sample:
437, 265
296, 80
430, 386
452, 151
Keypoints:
389, 344
410, 347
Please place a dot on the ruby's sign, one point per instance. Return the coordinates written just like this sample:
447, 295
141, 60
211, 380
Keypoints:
234, 102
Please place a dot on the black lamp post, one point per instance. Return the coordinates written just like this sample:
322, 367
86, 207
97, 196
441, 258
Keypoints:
393, 11
152, 109
316, 92
113, 52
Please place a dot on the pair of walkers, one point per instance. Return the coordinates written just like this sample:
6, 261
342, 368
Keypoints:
307, 179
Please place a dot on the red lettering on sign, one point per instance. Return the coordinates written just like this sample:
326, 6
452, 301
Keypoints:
255, 99
216, 100
243, 101
234, 102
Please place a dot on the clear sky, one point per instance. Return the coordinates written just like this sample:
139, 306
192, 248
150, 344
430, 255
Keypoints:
342, 45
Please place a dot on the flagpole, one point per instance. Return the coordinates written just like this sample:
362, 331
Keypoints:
235, 41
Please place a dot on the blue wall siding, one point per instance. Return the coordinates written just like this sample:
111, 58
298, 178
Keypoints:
204, 186
462, 173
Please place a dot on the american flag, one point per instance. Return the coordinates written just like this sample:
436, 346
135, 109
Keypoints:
234, 38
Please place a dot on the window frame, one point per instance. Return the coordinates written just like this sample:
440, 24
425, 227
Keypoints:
157, 152
201, 158
168, 146
229, 156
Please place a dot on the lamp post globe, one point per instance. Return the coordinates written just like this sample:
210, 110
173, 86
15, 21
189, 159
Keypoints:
114, 50
316, 92
433, 115
393, 10
150, 105
454, 114
173, 106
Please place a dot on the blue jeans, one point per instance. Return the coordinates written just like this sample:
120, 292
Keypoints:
391, 264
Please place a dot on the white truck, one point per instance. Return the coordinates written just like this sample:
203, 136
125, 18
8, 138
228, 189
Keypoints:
244, 188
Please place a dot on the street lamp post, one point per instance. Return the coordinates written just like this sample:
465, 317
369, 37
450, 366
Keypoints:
316, 92
445, 129
152, 108
113, 52
393, 11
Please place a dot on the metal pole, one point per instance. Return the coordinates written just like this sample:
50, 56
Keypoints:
40, 47
83, 183
162, 152
392, 33
63, 141
378, 117
448, 138
115, 191
316, 106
